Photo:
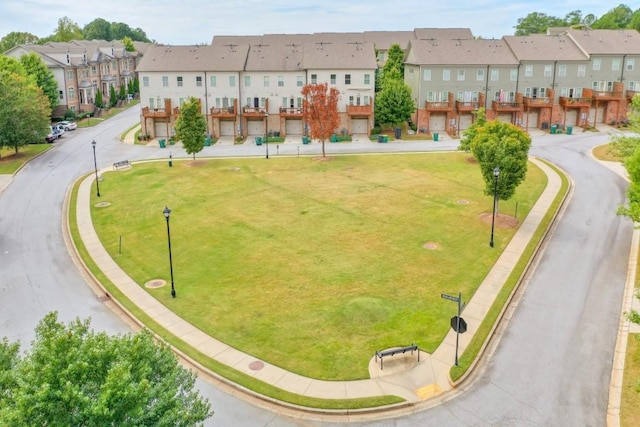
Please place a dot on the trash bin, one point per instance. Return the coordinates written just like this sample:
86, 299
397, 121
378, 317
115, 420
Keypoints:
162, 142
334, 138
554, 128
397, 133
380, 138
207, 142
569, 130
385, 138
305, 140
435, 136
258, 140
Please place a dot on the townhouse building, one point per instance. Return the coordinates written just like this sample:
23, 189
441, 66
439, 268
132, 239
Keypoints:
83, 67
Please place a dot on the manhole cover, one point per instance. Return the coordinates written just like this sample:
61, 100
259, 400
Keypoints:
430, 245
155, 283
463, 202
256, 365
103, 204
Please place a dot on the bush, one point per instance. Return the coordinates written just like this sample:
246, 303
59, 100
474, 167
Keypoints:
70, 115
376, 130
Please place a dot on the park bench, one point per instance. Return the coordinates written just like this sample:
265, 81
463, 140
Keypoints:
121, 164
392, 351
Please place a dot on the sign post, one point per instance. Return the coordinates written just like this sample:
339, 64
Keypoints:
457, 323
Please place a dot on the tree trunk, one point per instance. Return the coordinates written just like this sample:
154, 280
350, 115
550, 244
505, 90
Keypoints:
323, 154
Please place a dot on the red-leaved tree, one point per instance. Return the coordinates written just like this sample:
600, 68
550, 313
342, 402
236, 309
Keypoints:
320, 110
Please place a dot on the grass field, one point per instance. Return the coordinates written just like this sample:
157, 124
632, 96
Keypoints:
311, 265
10, 162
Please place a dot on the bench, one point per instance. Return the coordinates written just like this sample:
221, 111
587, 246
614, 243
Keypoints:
392, 351
121, 164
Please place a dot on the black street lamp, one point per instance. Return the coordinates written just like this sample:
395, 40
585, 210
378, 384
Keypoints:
266, 134
496, 174
167, 213
95, 166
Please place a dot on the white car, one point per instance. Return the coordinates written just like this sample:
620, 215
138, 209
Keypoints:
67, 126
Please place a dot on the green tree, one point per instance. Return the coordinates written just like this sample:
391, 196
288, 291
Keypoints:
99, 101
191, 126
66, 31
624, 144
501, 145
394, 104
113, 97
128, 44
44, 77
15, 38
537, 23
136, 85
74, 376
123, 93
98, 29
24, 111
10, 64
472, 131
618, 17
393, 69
634, 22
628, 147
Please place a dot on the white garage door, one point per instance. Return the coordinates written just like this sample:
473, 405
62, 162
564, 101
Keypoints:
226, 127
256, 128
161, 130
571, 117
530, 120
358, 126
466, 120
293, 127
505, 117
600, 115
437, 122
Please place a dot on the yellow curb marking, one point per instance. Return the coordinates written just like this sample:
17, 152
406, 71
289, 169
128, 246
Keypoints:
428, 391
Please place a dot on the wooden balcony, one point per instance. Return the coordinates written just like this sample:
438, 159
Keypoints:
567, 102
506, 107
537, 102
254, 111
630, 94
359, 110
438, 106
223, 113
290, 112
462, 106
601, 95
155, 112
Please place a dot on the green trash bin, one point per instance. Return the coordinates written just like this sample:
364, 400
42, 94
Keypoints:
305, 140
207, 142
162, 142
258, 140
334, 138
385, 138
435, 136
554, 128
569, 130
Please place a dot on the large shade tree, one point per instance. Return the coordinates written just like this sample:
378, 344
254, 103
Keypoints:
44, 77
320, 111
15, 38
191, 127
73, 376
394, 104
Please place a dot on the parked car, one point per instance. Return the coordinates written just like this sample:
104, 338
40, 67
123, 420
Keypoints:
52, 136
57, 130
67, 126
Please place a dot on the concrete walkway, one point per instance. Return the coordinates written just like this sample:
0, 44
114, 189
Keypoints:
402, 376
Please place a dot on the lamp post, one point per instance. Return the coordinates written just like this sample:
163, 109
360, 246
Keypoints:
496, 174
266, 134
95, 166
167, 212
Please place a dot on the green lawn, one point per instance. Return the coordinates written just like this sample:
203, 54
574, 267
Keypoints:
630, 409
311, 265
10, 162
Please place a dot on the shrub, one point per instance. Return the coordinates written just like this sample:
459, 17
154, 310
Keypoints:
376, 130
70, 115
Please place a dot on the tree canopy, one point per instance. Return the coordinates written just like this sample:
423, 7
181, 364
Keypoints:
320, 111
15, 38
619, 17
394, 104
191, 127
74, 376
627, 146
44, 78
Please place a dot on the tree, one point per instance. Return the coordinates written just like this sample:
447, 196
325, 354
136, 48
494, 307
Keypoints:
99, 102
472, 131
44, 77
128, 44
618, 17
66, 31
98, 29
320, 111
191, 127
113, 97
537, 23
123, 93
628, 147
394, 67
505, 146
394, 104
24, 111
15, 38
74, 376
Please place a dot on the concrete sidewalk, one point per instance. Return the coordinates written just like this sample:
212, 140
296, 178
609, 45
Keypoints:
402, 376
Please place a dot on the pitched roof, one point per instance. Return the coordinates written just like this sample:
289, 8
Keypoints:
541, 47
460, 52
603, 42
235, 40
337, 56
194, 58
274, 57
443, 33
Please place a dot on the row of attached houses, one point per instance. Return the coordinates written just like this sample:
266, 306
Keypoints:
83, 67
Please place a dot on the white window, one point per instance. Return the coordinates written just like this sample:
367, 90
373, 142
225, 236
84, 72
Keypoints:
151, 103
543, 92
426, 75
367, 79
381, 56
299, 81
581, 70
232, 81
630, 64
199, 81
562, 71
179, 81
446, 75
333, 79
564, 92
347, 79
213, 81
284, 102
513, 75
460, 74
615, 65
299, 102
217, 102
366, 100
480, 75
314, 78
281, 81
72, 93
528, 70
351, 100
145, 81
495, 75
527, 92
547, 70
69, 75
247, 81
596, 64
165, 81
266, 81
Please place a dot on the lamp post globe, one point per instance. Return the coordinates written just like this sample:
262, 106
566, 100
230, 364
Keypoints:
95, 167
167, 213
496, 174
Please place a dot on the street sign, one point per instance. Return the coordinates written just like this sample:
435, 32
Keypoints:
450, 297
454, 325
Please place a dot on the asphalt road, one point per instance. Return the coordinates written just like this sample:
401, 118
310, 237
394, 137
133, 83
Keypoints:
551, 367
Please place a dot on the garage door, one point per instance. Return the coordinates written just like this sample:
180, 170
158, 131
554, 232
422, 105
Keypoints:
255, 128
571, 117
226, 127
161, 129
506, 118
293, 127
466, 120
359, 126
437, 122
600, 115
530, 121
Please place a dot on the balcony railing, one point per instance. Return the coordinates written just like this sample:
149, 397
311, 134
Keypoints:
467, 106
537, 102
290, 112
438, 106
359, 110
567, 102
606, 95
155, 112
223, 112
506, 106
254, 111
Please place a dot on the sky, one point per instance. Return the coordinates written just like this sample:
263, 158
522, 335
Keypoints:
188, 22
